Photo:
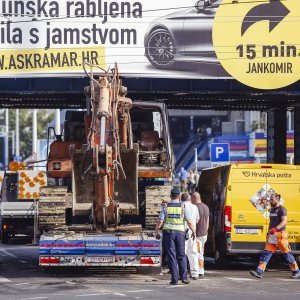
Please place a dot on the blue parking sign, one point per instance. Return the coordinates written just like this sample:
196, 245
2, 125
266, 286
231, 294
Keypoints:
219, 154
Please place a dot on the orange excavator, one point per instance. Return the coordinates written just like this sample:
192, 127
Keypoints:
109, 159
95, 157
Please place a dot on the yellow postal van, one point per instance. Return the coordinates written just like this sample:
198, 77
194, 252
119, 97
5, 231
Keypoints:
238, 197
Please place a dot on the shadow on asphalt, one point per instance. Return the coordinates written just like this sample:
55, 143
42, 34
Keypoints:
20, 240
18, 270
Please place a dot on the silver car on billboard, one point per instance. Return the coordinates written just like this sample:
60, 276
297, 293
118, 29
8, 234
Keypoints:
185, 35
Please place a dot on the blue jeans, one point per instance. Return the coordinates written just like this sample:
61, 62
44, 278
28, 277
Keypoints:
266, 256
174, 244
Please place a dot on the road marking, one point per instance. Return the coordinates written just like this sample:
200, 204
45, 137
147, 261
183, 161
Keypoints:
176, 286
213, 272
288, 279
8, 253
90, 295
20, 247
119, 294
199, 293
3, 279
35, 298
202, 294
22, 283
240, 279
22, 261
139, 291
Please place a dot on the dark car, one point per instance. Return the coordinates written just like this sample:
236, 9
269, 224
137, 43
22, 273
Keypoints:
182, 36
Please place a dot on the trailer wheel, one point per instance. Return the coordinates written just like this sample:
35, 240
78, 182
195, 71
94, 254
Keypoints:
4, 237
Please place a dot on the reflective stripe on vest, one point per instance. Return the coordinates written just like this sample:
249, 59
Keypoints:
174, 219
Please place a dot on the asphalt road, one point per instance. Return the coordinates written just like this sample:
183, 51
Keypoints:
21, 278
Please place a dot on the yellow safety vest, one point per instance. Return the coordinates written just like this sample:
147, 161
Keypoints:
174, 217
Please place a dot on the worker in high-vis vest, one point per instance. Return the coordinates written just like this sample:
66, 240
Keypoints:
173, 216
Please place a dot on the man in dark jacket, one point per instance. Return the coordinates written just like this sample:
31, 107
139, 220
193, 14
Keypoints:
173, 215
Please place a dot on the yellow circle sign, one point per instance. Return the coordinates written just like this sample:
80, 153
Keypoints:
257, 42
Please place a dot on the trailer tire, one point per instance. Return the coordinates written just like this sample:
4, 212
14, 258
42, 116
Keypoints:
4, 237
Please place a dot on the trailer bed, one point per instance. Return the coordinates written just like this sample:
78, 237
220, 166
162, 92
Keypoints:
105, 249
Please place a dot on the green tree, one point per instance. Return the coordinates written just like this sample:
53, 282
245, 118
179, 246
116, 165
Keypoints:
44, 116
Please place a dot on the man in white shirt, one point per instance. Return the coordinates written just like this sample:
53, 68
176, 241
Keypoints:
190, 244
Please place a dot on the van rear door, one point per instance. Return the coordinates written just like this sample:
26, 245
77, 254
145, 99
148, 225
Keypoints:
249, 190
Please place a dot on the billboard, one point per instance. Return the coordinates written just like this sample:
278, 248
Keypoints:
251, 41
238, 145
260, 143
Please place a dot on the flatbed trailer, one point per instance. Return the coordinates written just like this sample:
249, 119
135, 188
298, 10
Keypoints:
99, 249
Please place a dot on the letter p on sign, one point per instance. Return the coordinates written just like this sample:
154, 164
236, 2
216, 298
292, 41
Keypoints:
219, 151
219, 154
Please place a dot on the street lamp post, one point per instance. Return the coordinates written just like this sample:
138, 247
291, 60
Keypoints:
17, 134
13, 144
6, 158
196, 159
57, 121
34, 133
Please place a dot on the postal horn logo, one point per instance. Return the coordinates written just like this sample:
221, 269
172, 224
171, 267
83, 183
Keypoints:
246, 173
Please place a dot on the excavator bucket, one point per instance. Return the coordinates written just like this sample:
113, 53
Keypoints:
127, 189
83, 189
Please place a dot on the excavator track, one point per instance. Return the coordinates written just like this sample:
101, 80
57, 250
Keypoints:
155, 196
52, 207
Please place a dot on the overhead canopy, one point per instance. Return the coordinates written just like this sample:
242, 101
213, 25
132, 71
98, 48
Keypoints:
176, 93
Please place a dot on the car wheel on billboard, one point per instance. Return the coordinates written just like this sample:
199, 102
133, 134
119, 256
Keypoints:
160, 49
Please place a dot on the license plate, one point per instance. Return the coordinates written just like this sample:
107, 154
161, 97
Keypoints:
246, 231
100, 259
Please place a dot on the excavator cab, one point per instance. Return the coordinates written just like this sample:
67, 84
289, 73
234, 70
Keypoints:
150, 132
59, 163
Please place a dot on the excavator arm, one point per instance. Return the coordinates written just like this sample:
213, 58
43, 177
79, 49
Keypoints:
108, 143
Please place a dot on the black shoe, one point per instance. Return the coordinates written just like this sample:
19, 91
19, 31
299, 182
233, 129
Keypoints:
195, 278
295, 275
185, 281
256, 274
201, 276
173, 283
